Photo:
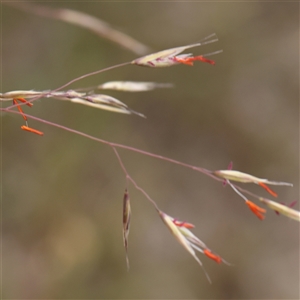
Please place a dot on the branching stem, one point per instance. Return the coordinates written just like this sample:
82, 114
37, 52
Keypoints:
136, 150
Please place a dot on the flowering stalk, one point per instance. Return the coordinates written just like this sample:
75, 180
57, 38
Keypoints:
164, 158
149, 154
164, 58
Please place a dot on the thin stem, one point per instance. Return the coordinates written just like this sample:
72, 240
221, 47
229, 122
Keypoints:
91, 74
236, 190
128, 177
72, 81
121, 146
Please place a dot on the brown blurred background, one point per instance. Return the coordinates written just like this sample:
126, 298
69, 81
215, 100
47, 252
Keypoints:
62, 193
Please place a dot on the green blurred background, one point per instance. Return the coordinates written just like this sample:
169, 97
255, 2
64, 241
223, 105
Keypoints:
62, 193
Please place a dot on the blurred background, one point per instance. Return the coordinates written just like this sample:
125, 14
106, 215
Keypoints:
62, 193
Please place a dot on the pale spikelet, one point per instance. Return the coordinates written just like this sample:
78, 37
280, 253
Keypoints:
101, 106
247, 178
93, 98
105, 99
178, 235
191, 237
188, 240
283, 209
126, 223
110, 103
100, 101
19, 94
133, 86
168, 57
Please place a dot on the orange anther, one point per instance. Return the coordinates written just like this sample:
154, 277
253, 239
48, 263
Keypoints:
190, 60
15, 102
212, 256
31, 130
24, 101
183, 224
184, 61
201, 58
268, 189
258, 211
